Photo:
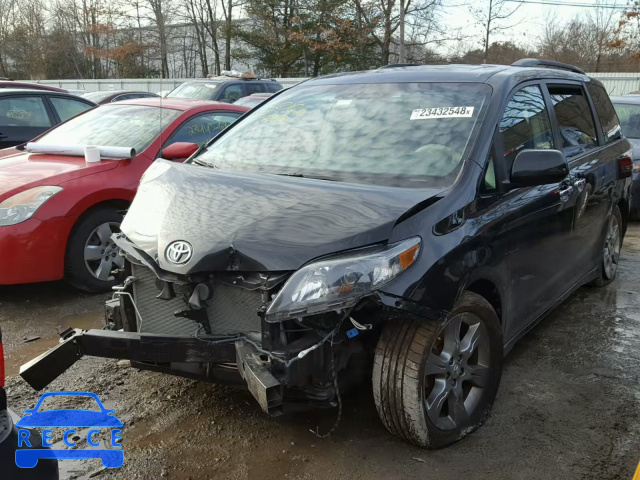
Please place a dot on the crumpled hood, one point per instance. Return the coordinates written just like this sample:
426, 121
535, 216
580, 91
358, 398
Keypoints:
257, 222
27, 170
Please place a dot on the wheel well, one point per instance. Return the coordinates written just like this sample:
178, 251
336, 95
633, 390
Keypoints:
489, 292
117, 204
623, 205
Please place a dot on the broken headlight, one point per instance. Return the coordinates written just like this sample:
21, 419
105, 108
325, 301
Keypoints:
340, 281
23, 205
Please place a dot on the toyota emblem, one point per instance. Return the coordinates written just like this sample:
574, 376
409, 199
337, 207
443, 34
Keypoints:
179, 252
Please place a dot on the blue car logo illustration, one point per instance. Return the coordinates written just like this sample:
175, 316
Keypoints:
69, 419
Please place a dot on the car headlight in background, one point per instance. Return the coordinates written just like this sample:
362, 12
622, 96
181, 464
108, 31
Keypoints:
23, 205
340, 281
636, 166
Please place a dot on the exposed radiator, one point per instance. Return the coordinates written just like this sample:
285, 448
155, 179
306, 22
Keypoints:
231, 310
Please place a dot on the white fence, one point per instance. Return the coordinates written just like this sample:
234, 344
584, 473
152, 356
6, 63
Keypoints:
615, 83
155, 85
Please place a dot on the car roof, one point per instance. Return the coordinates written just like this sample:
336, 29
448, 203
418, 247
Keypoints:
229, 79
448, 73
182, 104
120, 92
34, 86
34, 91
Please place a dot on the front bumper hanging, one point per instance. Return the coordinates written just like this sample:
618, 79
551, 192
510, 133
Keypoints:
76, 343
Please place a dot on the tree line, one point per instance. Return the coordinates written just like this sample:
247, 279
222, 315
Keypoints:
61, 39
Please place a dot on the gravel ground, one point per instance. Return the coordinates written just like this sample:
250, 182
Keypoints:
567, 407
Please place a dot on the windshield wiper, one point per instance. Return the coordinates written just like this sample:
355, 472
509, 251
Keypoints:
204, 164
300, 175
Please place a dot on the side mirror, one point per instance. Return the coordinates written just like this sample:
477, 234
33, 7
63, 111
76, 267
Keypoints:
538, 167
179, 150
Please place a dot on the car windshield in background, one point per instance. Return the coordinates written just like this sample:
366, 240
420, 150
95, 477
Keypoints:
629, 116
114, 125
196, 90
97, 97
398, 134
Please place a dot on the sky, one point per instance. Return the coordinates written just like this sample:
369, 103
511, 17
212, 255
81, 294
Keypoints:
529, 17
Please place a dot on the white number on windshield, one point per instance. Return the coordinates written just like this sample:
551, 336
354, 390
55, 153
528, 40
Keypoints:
441, 112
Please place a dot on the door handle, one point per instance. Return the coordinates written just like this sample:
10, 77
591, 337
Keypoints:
565, 193
580, 183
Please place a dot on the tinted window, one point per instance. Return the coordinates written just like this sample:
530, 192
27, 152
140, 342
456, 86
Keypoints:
202, 128
574, 119
197, 90
23, 112
68, 108
525, 124
250, 88
116, 125
606, 113
630, 119
232, 93
401, 134
273, 87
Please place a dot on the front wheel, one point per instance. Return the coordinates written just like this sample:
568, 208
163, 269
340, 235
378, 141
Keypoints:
610, 250
92, 257
435, 383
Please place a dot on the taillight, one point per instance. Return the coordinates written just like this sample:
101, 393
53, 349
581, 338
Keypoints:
625, 166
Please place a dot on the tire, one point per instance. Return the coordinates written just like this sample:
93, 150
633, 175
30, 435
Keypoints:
91, 253
402, 385
612, 244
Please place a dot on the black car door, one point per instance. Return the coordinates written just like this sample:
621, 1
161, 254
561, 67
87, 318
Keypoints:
22, 118
537, 220
593, 164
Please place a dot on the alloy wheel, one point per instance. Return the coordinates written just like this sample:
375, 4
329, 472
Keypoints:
457, 371
101, 254
611, 252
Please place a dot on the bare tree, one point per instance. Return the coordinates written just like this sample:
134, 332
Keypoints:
491, 16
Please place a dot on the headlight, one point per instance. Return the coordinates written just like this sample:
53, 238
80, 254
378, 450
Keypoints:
636, 166
340, 281
23, 205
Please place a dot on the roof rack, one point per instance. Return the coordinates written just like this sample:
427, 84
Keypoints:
534, 62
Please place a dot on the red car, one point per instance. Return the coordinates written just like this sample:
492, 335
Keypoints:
36, 86
57, 213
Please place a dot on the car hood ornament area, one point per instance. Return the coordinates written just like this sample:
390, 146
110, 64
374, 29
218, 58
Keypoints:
179, 252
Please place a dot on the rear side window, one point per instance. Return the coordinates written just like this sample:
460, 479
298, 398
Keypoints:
67, 107
273, 87
232, 93
250, 88
574, 119
23, 112
525, 124
606, 113
202, 128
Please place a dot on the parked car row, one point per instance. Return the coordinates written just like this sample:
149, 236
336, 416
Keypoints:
59, 212
402, 227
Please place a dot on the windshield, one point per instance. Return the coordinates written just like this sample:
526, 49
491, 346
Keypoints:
97, 97
131, 126
197, 90
399, 134
629, 116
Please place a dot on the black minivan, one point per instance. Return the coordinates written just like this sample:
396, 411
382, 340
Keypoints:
402, 226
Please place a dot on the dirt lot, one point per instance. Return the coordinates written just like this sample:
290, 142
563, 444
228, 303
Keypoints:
568, 406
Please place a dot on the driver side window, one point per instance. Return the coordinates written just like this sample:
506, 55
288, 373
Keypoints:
525, 124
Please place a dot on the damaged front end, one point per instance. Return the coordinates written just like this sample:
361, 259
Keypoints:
231, 278
292, 339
